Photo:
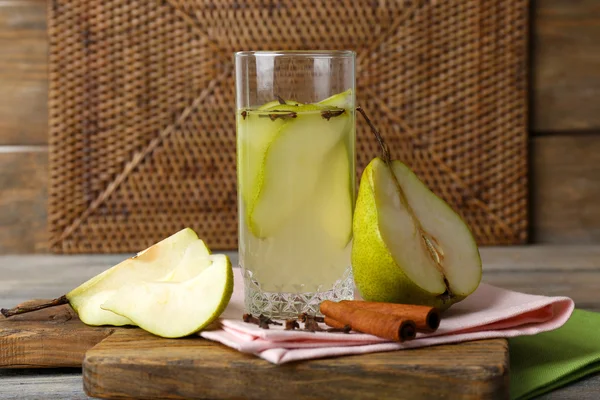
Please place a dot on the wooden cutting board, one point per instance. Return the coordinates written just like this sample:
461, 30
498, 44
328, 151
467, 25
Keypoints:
131, 363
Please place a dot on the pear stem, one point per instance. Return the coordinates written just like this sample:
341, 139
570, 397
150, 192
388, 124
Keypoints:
385, 151
25, 309
430, 242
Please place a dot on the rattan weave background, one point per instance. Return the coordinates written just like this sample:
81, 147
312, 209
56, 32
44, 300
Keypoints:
142, 131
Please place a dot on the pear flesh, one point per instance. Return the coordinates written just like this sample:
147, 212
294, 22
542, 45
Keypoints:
176, 309
195, 260
151, 264
337, 187
409, 245
335, 193
340, 100
285, 183
255, 134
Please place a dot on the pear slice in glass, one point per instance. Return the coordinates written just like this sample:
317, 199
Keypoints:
292, 165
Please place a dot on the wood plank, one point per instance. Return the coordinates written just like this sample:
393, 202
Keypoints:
132, 363
545, 259
566, 189
546, 270
26, 277
52, 337
23, 72
63, 383
124, 366
566, 65
23, 198
58, 384
585, 389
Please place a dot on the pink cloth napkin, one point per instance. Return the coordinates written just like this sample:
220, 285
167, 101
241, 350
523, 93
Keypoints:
490, 312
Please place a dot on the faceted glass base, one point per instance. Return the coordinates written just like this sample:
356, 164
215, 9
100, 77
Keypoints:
289, 305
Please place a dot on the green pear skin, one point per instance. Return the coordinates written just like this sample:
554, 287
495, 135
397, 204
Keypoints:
376, 274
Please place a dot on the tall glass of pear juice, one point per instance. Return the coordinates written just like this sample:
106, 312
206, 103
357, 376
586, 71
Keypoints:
296, 181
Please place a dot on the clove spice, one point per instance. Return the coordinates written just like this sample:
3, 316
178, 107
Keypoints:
250, 319
291, 324
275, 114
305, 316
262, 321
311, 325
328, 114
267, 320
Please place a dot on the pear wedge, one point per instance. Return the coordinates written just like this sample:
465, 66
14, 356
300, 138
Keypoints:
335, 194
255, 132
150, 264
338, 186
341, 100
194, 260
176, 309
298, 108
409, 245
274, 103
290, 169
156, 262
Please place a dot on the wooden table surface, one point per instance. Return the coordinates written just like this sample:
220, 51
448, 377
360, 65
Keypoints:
547, 270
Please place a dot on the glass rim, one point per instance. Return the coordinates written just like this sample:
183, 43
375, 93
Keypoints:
298, 53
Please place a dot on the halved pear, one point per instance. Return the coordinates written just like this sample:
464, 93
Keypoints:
409, 245
292, 165
176, 309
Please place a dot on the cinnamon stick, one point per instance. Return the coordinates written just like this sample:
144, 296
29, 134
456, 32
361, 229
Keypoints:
334, 323
372, 322
427, 319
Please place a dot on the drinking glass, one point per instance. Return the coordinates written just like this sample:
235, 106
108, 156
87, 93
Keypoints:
296, 178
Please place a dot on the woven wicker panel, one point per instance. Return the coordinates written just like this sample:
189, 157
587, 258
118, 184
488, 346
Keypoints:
142, 128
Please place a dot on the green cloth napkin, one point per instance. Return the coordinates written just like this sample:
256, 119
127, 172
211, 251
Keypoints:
549, 360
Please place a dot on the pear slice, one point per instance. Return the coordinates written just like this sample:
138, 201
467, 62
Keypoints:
273, 103
295, 108
195, 260
292, 165
336, 193
176, 309
153, 263
409, 245
339, 188
341, 100
150, 264
255, 132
